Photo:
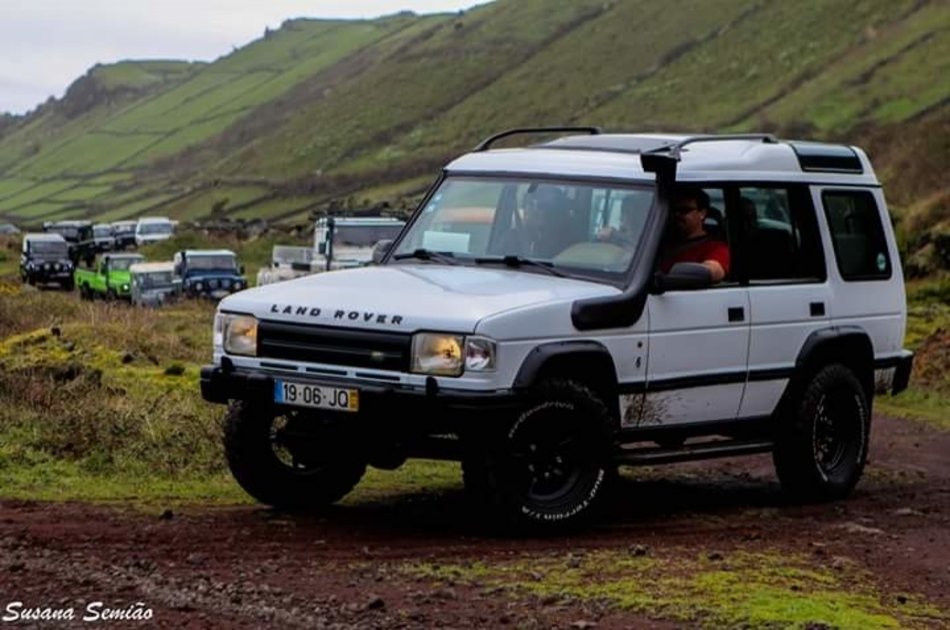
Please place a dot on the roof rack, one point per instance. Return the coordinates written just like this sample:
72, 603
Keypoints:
485, 144
675, 149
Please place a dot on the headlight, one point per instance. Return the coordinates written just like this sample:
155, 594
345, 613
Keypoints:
237, 334
435, 353
199, 286
450, 355
125, 287
238, 285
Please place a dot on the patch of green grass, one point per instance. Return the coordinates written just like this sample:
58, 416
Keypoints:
139, 75
751, 590
932, 407
202, 203
37, 193
100, 401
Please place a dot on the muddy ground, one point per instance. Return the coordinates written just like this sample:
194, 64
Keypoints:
245, 566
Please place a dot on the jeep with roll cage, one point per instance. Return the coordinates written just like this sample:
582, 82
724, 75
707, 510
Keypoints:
501, 330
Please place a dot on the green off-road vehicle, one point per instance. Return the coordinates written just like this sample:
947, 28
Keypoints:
109, 279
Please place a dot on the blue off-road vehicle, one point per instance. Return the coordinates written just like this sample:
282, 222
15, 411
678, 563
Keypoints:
211, 273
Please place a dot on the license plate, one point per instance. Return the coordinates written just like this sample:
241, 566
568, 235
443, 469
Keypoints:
316, 396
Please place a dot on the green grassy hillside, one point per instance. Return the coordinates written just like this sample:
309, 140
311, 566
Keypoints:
364, 111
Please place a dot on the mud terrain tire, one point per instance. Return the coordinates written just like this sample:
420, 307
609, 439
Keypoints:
822, 445
549, 468
249, 443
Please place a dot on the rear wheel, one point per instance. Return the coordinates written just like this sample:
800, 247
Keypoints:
823, 445
549, 469
290, 460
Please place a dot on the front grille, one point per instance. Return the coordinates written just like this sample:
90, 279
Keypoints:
334, 346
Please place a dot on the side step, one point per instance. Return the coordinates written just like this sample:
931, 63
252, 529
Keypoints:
649, 456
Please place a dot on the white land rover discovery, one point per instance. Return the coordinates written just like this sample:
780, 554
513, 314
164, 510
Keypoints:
503, 329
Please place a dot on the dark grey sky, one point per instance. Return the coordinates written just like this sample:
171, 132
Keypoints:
46, 44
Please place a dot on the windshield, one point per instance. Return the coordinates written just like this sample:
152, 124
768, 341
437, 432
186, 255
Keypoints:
363, 235
123, 264
288, 254
155, 228
217, 262
102, 231
67, 232
154, 279
592, 228
49, 249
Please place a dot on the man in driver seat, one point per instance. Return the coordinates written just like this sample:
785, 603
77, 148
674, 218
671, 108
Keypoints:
690, 242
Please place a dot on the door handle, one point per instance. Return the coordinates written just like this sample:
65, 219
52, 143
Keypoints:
736, 314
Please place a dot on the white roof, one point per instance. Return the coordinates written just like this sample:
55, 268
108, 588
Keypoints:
45, 236
152, 267
154, 220
617, 156
209, 252
364, 221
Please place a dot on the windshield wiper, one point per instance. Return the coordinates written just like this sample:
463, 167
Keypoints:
427, 254
512, 260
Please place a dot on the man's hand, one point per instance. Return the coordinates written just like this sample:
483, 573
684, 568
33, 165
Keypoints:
715, 270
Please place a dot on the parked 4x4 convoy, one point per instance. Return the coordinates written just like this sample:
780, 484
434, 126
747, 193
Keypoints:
109, 279
501, 330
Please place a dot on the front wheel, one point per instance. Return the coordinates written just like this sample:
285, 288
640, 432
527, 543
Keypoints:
549, 469
289, 460
822, 446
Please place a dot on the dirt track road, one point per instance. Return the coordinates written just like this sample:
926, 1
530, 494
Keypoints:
250, 567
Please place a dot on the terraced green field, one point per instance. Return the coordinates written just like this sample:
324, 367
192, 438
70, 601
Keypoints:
323, 110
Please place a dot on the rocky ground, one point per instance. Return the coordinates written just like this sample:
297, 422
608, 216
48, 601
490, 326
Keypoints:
384, 565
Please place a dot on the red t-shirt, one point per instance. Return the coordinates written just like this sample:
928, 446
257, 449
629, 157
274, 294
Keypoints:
697, 251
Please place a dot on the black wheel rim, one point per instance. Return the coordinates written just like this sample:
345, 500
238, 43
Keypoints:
549, 459
287, 434
837, 431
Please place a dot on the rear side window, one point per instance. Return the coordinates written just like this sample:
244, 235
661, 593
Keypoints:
781, 237
857, 234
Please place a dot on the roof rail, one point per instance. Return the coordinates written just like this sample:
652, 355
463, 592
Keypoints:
675, 149
485, 144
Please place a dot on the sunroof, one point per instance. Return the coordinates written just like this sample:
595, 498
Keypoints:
827, 158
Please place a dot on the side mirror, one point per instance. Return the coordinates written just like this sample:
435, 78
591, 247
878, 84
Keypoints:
322, 248
380, 249
241, 270
683, 277
177, 269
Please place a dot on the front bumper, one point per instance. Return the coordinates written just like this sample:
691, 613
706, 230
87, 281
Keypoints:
427, 405
50, 275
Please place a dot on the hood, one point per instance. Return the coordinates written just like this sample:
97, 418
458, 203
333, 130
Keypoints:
408, 297
120, 277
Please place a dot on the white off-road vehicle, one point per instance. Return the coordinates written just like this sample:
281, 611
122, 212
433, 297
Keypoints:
338, 243
503, 329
